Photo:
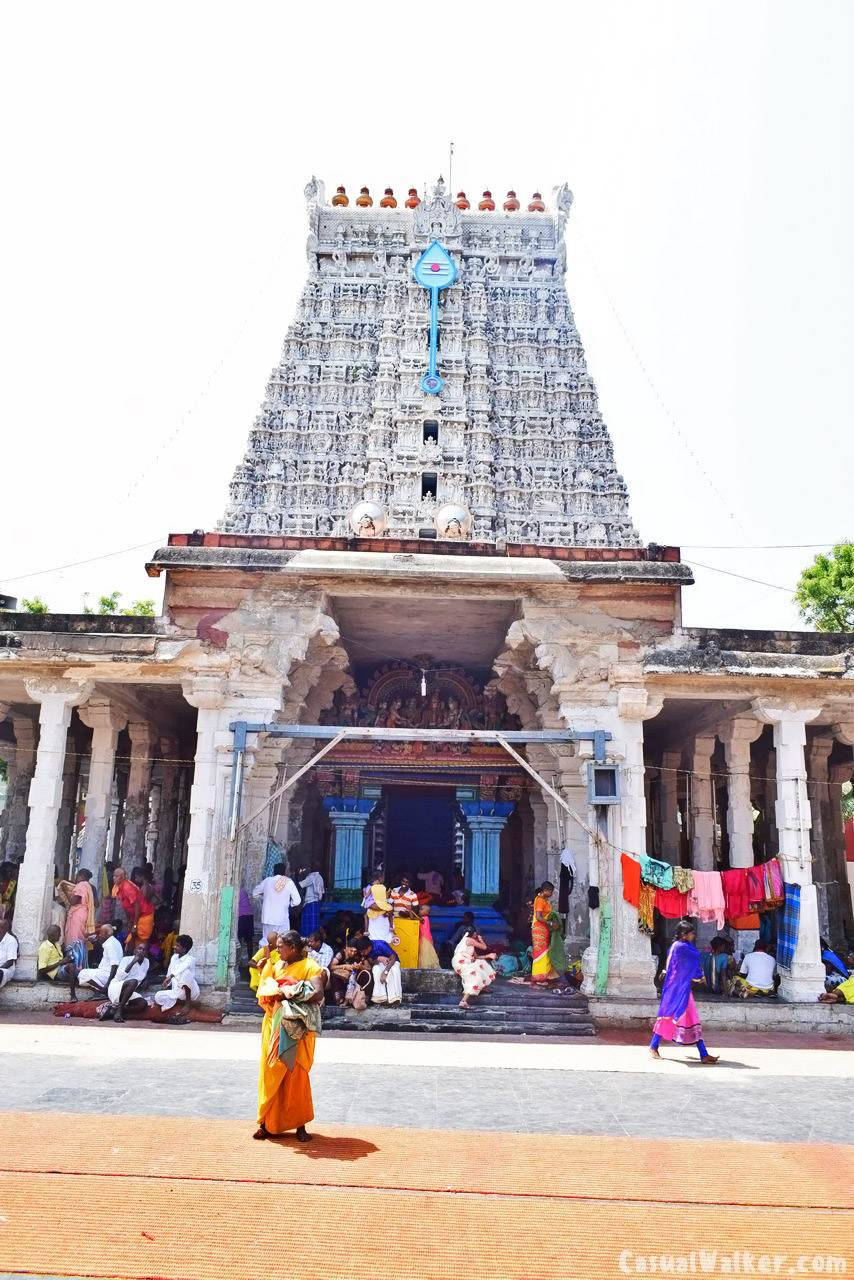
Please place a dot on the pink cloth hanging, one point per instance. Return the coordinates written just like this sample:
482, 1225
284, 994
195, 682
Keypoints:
706, 899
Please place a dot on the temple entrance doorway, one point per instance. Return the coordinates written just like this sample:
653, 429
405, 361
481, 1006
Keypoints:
420, 832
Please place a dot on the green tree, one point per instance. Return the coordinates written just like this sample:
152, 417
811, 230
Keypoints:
141, 609
825, 594
110, 603
36, 605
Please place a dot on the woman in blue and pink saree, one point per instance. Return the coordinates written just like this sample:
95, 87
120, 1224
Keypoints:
678, 1019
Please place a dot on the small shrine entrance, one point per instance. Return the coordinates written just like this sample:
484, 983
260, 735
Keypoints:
420, 831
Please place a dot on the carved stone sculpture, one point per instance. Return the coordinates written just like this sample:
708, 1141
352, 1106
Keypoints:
521, 444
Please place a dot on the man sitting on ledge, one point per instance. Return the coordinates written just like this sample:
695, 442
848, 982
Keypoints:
54, 964
385, 966
124, 992
757, 975
8, 953
111, 954
180, 981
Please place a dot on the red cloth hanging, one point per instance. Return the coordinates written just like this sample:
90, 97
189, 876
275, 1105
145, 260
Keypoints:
671, 903
736, 892
631, 879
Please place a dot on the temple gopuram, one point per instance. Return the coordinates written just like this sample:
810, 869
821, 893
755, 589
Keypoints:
427, 636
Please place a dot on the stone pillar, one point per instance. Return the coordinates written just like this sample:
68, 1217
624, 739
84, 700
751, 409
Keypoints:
671, 832
168, 810
115, 831
805, 979
35, 878
209, 902
260, 783
836, 859
486, 820
142, 739
818, 756
349, 819
105, 721
19, 785
701, 807
7, 753
632, 966
67, 810
736, 737
153, 825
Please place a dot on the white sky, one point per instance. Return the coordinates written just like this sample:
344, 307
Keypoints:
153, 233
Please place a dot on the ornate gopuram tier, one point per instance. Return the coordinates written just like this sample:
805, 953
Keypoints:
514, 435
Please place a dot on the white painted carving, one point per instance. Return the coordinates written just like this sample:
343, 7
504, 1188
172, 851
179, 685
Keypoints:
521, 442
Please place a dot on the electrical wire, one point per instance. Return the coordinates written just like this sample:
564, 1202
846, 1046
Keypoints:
657, 394
74, 564
729, 573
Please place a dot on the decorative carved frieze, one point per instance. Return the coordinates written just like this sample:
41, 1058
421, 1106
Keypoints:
519, 439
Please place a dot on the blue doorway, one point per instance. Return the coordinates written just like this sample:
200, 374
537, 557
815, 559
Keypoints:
419, 831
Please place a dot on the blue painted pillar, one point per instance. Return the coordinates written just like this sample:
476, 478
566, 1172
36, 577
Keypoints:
486, 820
349, 819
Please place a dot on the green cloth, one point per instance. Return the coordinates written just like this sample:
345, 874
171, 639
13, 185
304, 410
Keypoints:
557, 950
603, 955
291, 1020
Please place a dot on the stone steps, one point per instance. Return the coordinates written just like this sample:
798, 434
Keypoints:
502, 1010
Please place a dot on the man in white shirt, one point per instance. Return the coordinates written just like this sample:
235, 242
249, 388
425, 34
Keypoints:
111, 958
180, 981
278, 894
8, 954
125, 986
756, 975
314, 891
319, 949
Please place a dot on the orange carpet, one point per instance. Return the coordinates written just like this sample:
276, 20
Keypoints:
125, 1196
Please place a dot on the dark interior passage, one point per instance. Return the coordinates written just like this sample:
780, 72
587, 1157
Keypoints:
420, 831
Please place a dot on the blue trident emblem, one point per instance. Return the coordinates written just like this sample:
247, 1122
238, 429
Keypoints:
434, 270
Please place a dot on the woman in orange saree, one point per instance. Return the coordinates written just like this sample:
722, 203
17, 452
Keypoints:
284, 1089
542, 970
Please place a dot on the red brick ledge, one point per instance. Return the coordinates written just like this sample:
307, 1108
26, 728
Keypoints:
426, 546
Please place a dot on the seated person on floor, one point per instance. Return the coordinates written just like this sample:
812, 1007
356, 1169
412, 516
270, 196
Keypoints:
757, 975
719, 966
385, 969
100, 977
319, 949
844, 993
8, 953
55, 965
264, 953
345, 961
451, 943
180, 981
125, 990
835, 967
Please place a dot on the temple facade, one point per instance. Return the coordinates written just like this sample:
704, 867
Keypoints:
426, 560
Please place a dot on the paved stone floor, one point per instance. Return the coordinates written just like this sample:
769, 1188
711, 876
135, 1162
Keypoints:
766, 1089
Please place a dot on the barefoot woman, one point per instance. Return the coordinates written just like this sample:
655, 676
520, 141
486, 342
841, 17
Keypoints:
678, 1019
284, 1091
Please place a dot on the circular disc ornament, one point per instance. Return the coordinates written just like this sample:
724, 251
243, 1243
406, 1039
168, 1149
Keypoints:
368, 520
453, 522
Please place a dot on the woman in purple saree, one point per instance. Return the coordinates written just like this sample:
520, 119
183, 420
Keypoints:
678, 1019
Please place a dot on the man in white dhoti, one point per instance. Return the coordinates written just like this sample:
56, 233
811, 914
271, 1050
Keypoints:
180, 981
111, 957
124, 992
385, 969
